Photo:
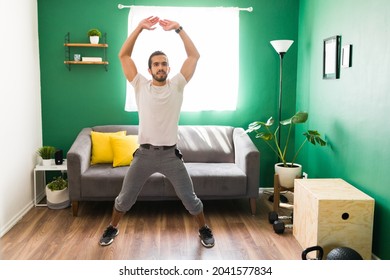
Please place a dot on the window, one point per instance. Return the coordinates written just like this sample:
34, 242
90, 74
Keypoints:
214, 31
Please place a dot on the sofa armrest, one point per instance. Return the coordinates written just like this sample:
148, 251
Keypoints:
78, 161
247, 157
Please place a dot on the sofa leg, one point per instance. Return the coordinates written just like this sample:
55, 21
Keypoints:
75, 208
252, 202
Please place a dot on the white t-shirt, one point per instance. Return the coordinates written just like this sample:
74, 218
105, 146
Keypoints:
158, 109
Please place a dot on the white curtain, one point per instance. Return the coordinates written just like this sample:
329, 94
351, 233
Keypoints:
215, 32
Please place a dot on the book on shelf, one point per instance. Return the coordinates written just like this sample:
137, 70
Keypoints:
91, 59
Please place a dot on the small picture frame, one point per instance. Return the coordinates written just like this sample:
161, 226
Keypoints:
346, 56
331, 57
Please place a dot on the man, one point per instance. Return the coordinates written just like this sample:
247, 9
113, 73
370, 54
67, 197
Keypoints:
159, 103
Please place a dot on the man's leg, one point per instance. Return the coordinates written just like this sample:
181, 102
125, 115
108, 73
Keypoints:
139, 171
116, 217
205, 233
112, 230
200, 219
177, 173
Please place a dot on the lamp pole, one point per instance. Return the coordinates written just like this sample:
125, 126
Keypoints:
281, 54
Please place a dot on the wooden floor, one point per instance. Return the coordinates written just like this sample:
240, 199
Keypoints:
149, 231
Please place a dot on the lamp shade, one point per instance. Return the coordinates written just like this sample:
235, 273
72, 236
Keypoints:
281, 46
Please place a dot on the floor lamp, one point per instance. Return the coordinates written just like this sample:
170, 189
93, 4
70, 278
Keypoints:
281, 47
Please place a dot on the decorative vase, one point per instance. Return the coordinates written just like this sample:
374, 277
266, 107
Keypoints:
94, 39
287, 175
57, 199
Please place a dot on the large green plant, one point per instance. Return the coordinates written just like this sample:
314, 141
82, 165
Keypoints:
263, 131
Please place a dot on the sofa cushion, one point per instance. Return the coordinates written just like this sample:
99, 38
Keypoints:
217, 179
213, 180
123, 148
103, 182
202, 143
211, 144
101, 147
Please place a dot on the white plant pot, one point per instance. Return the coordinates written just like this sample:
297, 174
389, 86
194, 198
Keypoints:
46, 162
94, 39
57, 199
287, 175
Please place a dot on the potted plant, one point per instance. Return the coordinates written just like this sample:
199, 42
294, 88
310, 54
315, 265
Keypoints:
264, 132
94, 35
57, 193
46, 153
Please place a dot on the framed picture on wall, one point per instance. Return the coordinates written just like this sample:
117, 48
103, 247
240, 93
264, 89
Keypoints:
331, 58
346, 56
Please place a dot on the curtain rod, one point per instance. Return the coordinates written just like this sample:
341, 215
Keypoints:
120, 6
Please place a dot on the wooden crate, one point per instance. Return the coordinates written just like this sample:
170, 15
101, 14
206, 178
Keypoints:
332, 213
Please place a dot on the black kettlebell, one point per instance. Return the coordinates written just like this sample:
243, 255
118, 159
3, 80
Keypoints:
340, 253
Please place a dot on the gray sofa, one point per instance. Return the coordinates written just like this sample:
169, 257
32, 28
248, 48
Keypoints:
222, 161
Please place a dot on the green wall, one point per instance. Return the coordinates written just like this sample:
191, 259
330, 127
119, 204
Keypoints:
352, 111
88, 95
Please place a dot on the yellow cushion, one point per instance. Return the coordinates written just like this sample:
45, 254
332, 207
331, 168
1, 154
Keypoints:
123, 148
101, 146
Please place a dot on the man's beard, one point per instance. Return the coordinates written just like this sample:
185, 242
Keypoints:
162, 78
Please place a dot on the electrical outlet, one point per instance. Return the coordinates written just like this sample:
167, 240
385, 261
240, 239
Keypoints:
305, 175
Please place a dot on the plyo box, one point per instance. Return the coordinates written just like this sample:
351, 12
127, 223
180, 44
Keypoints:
332, 213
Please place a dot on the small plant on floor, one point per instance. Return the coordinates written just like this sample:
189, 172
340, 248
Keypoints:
58, 184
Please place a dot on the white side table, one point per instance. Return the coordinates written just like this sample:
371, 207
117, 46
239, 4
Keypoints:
40, 179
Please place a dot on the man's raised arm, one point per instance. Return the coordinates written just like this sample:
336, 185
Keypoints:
189, 65
128, 65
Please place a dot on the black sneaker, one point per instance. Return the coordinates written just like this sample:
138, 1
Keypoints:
206, 237
108, 236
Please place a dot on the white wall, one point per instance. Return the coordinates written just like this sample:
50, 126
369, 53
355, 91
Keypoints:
20, 108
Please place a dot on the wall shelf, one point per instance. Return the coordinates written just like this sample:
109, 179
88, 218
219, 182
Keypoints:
86, 45
86, 62
68, 45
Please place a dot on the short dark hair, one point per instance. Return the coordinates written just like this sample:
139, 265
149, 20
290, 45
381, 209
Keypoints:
154, 54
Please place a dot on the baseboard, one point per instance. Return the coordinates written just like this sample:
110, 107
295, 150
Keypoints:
16, 219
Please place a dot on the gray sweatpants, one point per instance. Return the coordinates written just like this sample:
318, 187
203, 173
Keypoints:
167, 162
